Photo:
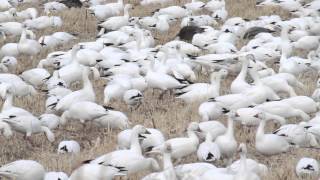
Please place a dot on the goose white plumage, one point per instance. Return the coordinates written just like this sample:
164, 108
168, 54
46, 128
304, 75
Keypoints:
23, 169
307, 167
70, 146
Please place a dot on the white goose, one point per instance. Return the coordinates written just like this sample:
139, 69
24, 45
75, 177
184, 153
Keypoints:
305, 103
296, 134
28, 125
226, 142
307, 167
132, 159
244, 173
168, 169
182, 147
28, 46
113, 119
282, 109
96, 172
56, 176
23, 170
5, 129
36, 76
70, 146
155, 138
83, 111
103, 12
200, 92
248, 117
215, 128
211, 110
240, 84
269, 144
115, 23
84, 94
208, 151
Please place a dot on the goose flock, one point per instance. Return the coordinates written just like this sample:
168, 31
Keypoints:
252, 84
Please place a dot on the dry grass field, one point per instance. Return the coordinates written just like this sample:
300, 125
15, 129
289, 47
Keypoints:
170, 115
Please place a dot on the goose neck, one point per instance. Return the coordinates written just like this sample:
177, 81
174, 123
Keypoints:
255, 76
244, 69
209, 137
167, 163
86, 80
135, 145
192, 135
230, 131
23, 36
260, 131
243, 162
8, 102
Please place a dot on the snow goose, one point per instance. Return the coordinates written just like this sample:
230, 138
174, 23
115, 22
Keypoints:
113, 119
83, 111
214, 5
155, 138
35, 76
10, 63
69, 147
105, 11
194, 5
252, 166
115, 23
11, 29
5, 4
279, 85
259, 93
18, 86
226, 142
240, 84
174, 11
51, 121
5, 129
29, 13
10, 49
269, 144
211, 110
132, 97
28, 125
233, 101
64, 37
200, 92
54, 6
96, 172
305, 103
244, 172
208, 151
247, 117
56, 176
307, 43
43, 22
28, 46
197, 169
215, 128
168, 169
84, 94
307, 167
132, 159
296, 134
23, 170
9, 15
282, 109
182, 147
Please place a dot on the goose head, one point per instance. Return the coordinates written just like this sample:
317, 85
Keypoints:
261, 115
140, 131
242, 148
194, 126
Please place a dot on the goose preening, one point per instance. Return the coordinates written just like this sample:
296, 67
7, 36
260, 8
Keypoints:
23, 169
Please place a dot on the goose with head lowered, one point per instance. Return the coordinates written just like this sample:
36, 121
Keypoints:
85, 94
92, 171
211, 110
131, 159
83, 111
307, 167
208, 151
269, 144
28, 125
23, 170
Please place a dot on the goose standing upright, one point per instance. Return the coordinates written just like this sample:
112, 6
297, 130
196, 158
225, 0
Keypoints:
240, 84
269, 144
85, 94
226, 142
28, 46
